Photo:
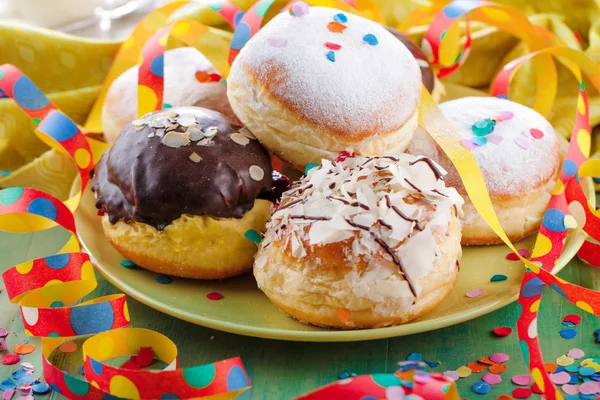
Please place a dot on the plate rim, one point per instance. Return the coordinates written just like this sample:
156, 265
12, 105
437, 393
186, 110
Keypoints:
352, 335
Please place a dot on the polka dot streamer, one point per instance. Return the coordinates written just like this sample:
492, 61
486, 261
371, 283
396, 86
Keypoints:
568, 196
48, 289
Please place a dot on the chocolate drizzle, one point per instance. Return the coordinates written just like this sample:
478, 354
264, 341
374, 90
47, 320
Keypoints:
432, 166
396, 261
142, 179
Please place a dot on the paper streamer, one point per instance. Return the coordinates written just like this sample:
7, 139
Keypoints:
46, 289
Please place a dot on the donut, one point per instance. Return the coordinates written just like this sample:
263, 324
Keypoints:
519, 156
431, 83
362, 243
190, 80
179, 190
310, 85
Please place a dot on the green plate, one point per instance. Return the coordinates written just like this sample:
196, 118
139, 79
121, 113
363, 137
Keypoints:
245, 310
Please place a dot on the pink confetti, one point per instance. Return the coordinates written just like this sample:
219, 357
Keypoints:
468, 144
332, 46
493, 138
3, 333
25, 390
571, 390
536, 133
504, 116
8, 394
453, 375
474, 293
499, 358
394, 393
3, 346
575, 353
523, 142
28, 397
589, 388
522, 380
421, 378
492, 379
300, 8
523, 252
214, 296
277, 41
560, 378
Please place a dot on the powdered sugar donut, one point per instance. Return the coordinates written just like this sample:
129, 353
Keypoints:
190, 80
518, 153
362, 243
309, 86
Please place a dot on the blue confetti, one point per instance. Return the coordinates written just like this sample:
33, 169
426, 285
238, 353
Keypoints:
480, 140
163, 279
25, 379
415, 357
481, 388
560, 369
371, 39
309, 167
533, 288
253, 236
7, 384
331, 56
568, 333
432, 364
572, 368
5, 172
597, 332
341, 18
346, 375
40, 388
498, 278
568, 323
18, 373
586, 371
128, 264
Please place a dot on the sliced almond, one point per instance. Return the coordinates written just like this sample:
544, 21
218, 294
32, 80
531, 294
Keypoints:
256, 173
205, 142
195, 157
159, 121
160, 132
172, 114
195, 133
138, 123
210, 132
151, 134
247, 133
186, 119
240, 139
176, 139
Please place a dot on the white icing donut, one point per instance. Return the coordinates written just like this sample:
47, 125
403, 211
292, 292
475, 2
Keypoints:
377, 237
313, 85
519, 159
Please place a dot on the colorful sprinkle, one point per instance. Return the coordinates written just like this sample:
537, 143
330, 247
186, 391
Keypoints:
253, 236
573, 318
481, 388
568, 333
340, 18
299, 9
523, 142
214, 296
3, 333
10, 359
474, 293
499, 358
331, 56
370, 39
498, 278
522, 380
164, 279
336, 27
469, 145
483, 127
333, 46
502, 331
536, 133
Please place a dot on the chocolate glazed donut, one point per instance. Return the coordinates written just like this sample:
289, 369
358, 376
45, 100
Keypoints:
426, 71
153, 175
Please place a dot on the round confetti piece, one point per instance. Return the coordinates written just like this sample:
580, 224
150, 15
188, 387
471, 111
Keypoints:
481, 388
522, 380
336, 27
144, 357
164, 279
568, 333
24, 349
253, 236
463, 372
7, 384
560, 378
474, 293
504, 116
573, 318
504, 397
586, 371
495, 139
214, 296
394, 393
589, 388
570, 389
476, 367
40, 388
498, 278
469, 145
480, 140
128, 264
563, 361
340, 18
330, 56
536, 133
27, 366
486, 361
3, 333
8, 393
497, 368
521, 393
68, 347
300, 9
491, 379
277, 41
10, 359
499, 358
370, 39
453, 375
25, 380
502, 331
550, 368
576, 353
483, 127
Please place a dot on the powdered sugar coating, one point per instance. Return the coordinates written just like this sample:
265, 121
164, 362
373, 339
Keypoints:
368, 89
391, 205
514, 161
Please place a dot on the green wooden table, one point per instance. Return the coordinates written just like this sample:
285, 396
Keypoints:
281, 370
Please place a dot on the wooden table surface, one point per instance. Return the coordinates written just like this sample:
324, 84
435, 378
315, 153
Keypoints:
282, 370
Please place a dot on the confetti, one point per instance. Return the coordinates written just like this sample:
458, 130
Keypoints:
340, 18
277, 41
550, 368
563, 361
330, 56
332, 46
486, 361
493, 138
560, 378
253, 236
502, 331
68, 347
3, 333
163, 279
309, 167
370, 39
586, 371
214, 296
481, 388
570, 389
415, 357
499, 358
474, 293
589, 388
10, 359
7, 384
469, 145
432, 364
145, 357
128, 264
394, 393
523, 142
536, 133
451, 375
513, 257
568, 333
497, 368
522, 380
521, 393
504, 116
8, 394
480, 140
572, 318
28, 367
483, 127
504, 397
24, 349
476, 367
492, 379
498, 278
463, 372
299, 9
336, 27
346, 375
40, 388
